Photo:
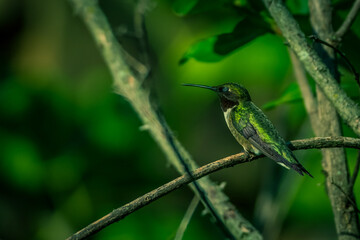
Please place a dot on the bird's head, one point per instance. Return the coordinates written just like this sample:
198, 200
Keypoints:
230, 94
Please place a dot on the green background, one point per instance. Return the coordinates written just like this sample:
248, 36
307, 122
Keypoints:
71, 150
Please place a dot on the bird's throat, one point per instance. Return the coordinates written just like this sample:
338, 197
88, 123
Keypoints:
227, 104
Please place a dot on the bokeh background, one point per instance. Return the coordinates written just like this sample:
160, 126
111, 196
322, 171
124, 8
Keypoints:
71, 150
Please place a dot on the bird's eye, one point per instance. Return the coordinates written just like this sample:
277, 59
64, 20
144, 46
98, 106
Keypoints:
224, 89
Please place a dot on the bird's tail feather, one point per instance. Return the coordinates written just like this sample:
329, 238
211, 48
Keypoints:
300, 169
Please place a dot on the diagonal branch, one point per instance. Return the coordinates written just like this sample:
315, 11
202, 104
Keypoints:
130, 87
350, 18
308, 97
122, 212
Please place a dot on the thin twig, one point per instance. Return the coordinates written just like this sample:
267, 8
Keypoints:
325, 142
185, 222
348, 197
355, 174
352, 68
350, 18
122, 212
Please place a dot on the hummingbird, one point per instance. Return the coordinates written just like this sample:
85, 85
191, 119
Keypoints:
251, 127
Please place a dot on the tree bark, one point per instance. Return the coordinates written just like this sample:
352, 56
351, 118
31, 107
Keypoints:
334, 160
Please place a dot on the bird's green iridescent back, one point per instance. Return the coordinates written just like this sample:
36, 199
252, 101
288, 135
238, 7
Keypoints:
248, 115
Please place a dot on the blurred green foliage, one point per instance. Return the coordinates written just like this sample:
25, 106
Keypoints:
71, 150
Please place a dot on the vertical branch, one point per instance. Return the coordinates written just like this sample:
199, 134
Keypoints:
334, 161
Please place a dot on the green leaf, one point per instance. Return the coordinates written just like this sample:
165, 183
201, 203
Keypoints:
291, 94
244, 32
202, 51
217, 47
183, 7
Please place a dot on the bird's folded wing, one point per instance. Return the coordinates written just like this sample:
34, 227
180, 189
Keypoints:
249, 132
268, 142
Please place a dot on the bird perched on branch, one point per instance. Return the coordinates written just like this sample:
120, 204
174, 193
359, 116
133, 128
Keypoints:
250, 126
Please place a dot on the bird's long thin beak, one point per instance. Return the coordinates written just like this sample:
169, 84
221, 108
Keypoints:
200, 86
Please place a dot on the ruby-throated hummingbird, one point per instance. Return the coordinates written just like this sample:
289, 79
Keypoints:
250, 126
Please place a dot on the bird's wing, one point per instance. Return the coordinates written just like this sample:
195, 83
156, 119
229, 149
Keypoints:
261, 133
268, 149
